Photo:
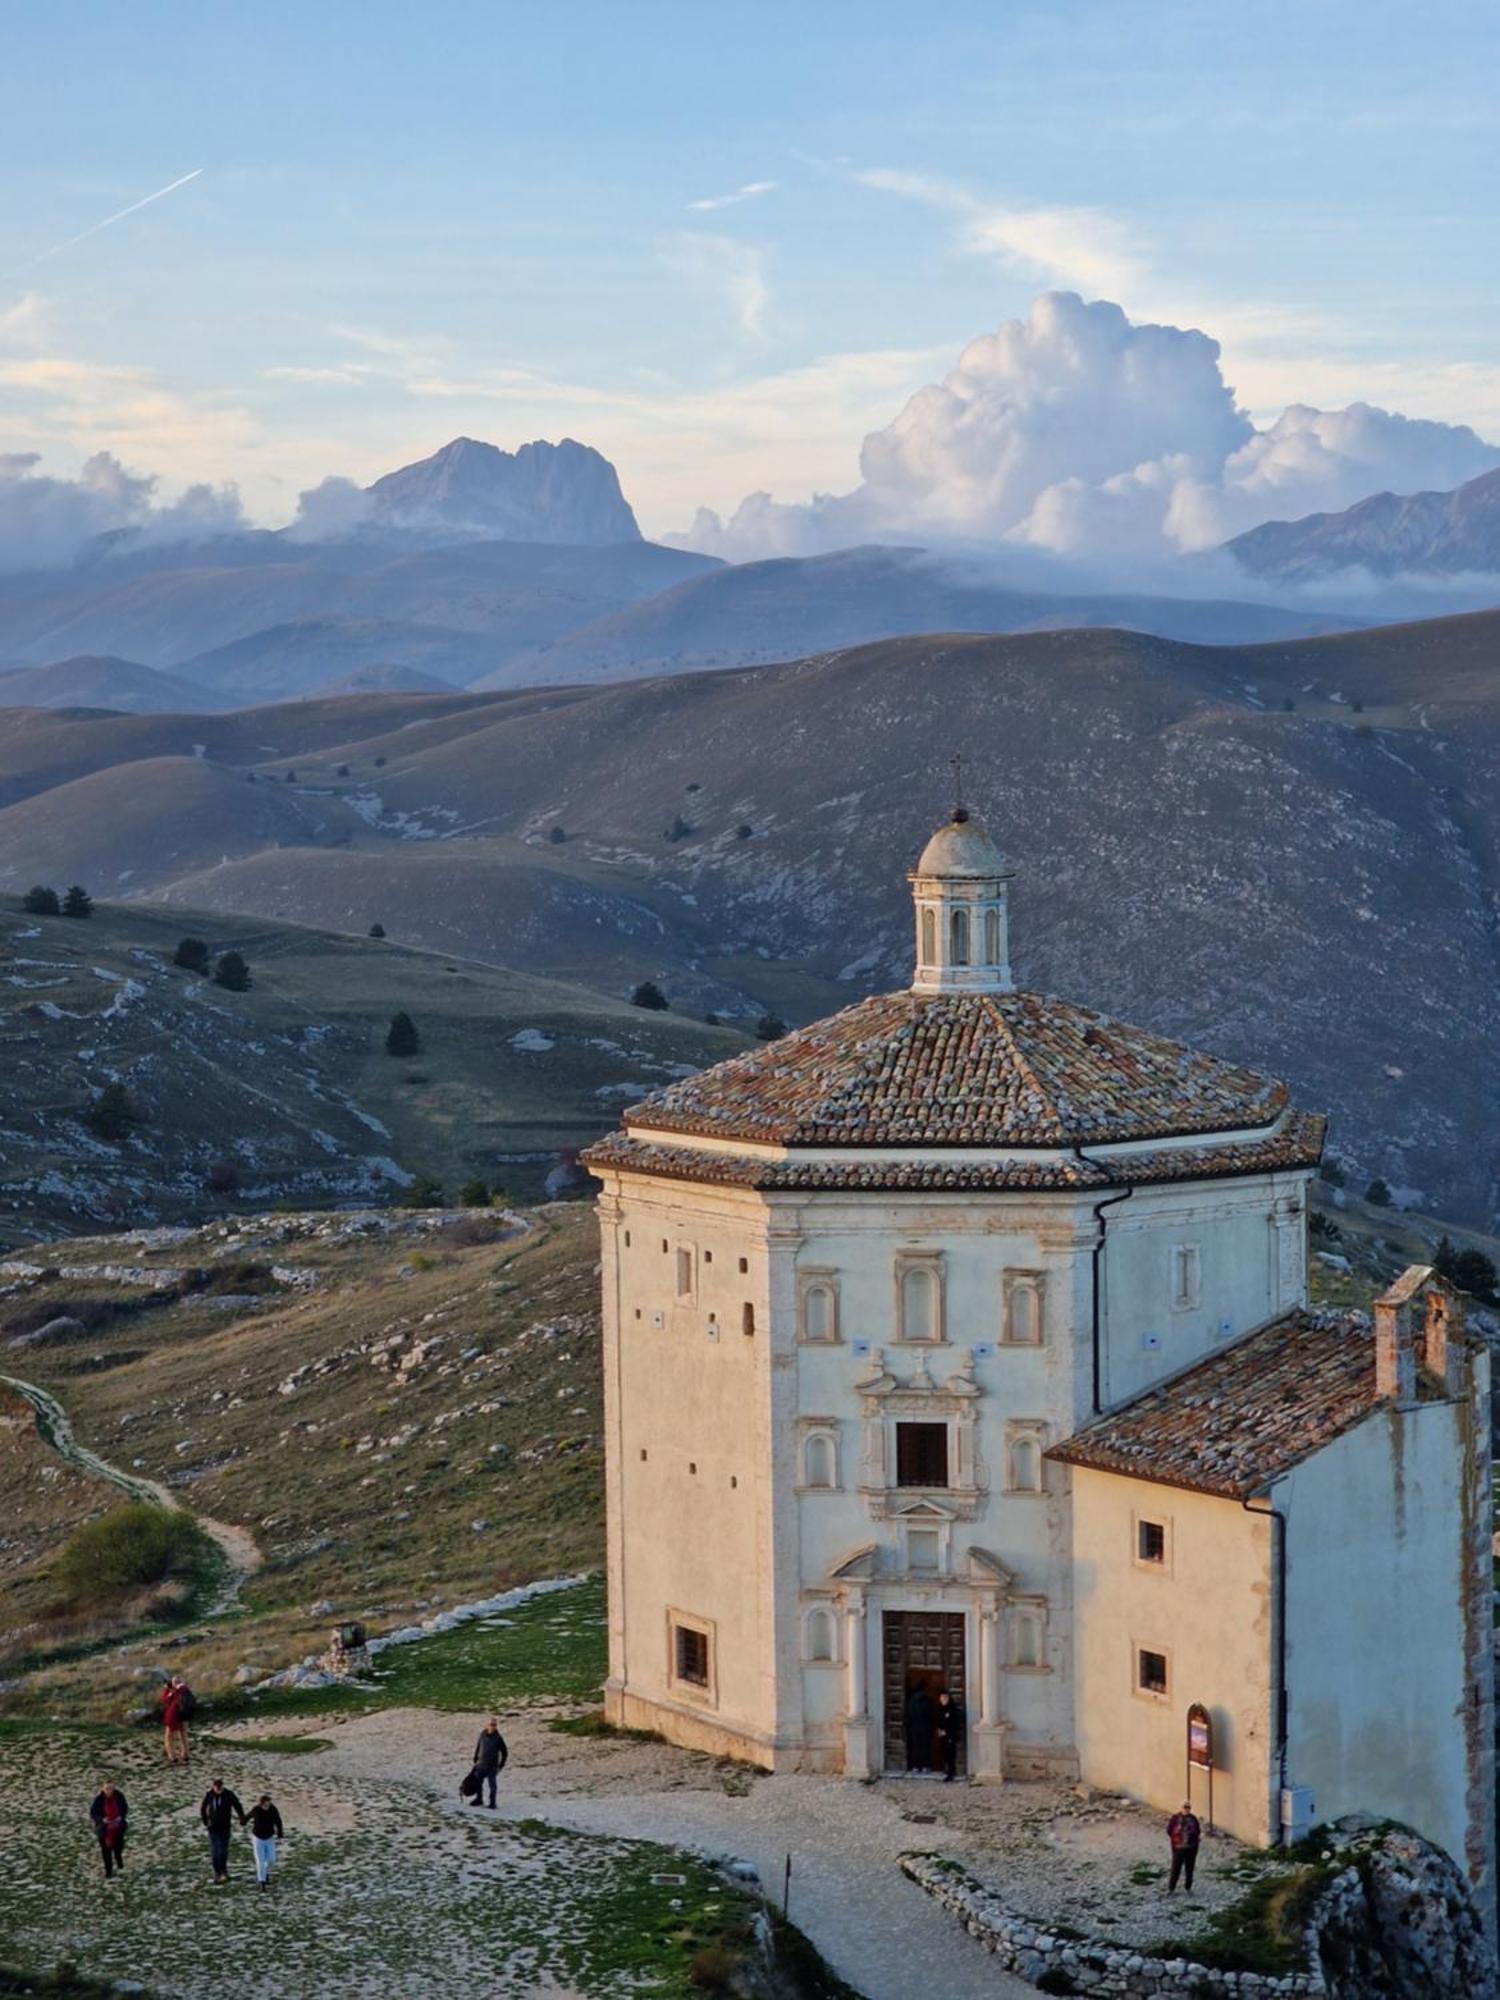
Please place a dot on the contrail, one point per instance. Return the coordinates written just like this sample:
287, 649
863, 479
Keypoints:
94, 228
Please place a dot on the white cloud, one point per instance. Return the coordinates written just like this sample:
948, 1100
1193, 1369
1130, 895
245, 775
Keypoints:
726, 269
1080, 432
748, 192
45, 521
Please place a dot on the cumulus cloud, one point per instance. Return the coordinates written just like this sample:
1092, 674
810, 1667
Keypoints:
46, 521
1080, 432
330, 510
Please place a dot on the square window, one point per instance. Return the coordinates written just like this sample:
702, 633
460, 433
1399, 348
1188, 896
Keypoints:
1150, 1542
1151, 1672
921, 1454
690, 1655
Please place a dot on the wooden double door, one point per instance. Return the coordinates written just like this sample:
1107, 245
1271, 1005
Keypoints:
920, 1649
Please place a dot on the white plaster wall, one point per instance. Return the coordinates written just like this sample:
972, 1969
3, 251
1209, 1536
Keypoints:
1209, 1610
1250, 1236
1376, 1591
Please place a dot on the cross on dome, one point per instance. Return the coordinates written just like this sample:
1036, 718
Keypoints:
961, 890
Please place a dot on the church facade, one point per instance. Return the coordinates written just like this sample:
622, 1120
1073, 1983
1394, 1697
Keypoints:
961, 1341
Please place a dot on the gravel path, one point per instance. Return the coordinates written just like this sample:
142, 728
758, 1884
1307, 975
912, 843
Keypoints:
879, 1931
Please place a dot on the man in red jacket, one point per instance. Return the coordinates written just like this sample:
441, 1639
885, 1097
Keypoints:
1184, 1833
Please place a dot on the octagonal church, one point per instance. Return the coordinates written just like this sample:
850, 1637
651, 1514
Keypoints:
961, 1343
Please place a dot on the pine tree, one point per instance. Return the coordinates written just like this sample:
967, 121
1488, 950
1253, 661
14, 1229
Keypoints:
78, 902
112, 1114
232, 973
401, 1037
1378, 1194
192, 955
377, 930
40, 902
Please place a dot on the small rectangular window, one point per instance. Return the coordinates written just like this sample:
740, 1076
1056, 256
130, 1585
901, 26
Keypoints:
744, 1265
747, 1317
1150, 1542
1151, 1672
1187, 1276
684, 1274
921, 1454
627, 1239
691, 1650
924, 1550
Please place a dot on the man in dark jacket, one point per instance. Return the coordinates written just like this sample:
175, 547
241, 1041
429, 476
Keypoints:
108, 1812
1184, 1834
919, 1720
265, 1830
950, 1729
218, 1812
490, 1759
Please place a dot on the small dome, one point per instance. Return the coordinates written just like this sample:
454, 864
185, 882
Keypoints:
962, 847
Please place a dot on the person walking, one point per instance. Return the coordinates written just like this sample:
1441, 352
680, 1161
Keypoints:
109, 1812
218, 1812
1184, 1834
950, 1731
176, 1702
490, 1758
265, 1830
919, 1720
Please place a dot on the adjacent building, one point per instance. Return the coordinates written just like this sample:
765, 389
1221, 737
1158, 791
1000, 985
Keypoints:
962, 1340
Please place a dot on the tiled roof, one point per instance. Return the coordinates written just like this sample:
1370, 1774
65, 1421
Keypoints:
960, 1069
1298, 1144
1236, 1421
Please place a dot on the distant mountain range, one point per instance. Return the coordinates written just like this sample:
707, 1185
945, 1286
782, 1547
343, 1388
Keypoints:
1288, 852
1388, 535
564, 492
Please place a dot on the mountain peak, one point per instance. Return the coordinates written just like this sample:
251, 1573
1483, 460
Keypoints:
542, 492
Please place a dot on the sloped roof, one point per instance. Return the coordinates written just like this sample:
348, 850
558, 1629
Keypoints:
965, 1069
1242, 1417
1298, 1143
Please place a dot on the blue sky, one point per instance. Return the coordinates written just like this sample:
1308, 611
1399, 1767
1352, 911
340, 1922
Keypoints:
413, 222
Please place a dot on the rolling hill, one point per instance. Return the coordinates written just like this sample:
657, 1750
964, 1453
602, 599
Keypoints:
94, 681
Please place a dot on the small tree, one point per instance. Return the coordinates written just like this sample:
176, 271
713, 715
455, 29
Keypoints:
377, 930
474, 1194
223, 1177
1378, 1194
40, 902
232, 973
424, 1192
291, 777
770, 1028
1332, 1173
401, 1037
744, 830
649, 994
380, 763
192, 955
557, 835
78, 902
1470, 1270
678, 830
343, 770
112, 1115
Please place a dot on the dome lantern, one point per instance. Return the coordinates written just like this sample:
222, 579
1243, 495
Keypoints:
960, 889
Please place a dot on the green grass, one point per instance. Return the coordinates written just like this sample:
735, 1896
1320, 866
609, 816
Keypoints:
551, 1647
1262, 1932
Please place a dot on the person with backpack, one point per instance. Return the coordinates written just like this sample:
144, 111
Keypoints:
265, 1830
218, 1812
109, 1812
490, 1759
1184, 1836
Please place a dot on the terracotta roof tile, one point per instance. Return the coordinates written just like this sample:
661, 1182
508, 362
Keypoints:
1238, 1420
985, 1070
1298, 1144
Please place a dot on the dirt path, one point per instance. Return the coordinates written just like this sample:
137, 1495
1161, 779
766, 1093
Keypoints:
55, 1429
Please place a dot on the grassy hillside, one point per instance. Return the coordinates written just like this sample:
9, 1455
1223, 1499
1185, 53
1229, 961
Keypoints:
285, 1093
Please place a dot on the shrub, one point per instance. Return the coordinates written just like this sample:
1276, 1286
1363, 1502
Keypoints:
128, 1550
401, 1038
744, 830
424, 1192
232, 973
40, 902
379, 761
649, 994
343, 771
291, 777
770, 1028
1288, 705
557, 835
192, 955
474, 1194
78, 902
1378, 1193
1333, 1173
678, 830
112, 1114
223, 1177
377, 930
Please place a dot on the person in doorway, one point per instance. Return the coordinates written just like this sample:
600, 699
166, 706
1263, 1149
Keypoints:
919, 1723
265, 1830
1184, 1835
950, 1733
174, 1707
490, 1759
218, 1812
109, 1812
